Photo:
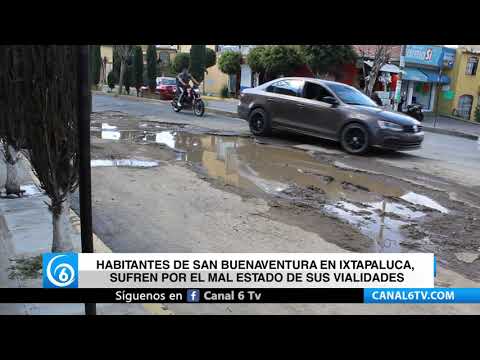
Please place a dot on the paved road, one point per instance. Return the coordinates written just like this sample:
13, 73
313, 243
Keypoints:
456, 157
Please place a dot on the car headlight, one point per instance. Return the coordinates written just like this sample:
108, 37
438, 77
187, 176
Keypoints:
389, 125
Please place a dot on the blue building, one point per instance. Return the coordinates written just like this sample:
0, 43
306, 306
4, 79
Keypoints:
424, 73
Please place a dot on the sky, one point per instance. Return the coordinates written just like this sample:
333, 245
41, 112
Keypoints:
452, 46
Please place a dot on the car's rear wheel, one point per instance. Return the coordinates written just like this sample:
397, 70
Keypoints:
355, 139
259, 122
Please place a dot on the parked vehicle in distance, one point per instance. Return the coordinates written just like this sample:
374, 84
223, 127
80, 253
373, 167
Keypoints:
330, 110
166, 87
413, 110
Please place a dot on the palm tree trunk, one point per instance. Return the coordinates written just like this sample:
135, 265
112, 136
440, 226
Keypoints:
62, 241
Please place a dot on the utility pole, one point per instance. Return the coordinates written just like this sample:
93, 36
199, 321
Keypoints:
85, 186
398, 89
437, 94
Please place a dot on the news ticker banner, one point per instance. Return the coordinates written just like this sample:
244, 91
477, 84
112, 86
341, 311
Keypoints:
238, 270
239, 278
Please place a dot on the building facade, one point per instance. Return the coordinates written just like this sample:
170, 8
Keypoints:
425, 74
462, 97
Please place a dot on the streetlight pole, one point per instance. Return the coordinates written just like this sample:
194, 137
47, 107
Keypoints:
85, 187
398, 88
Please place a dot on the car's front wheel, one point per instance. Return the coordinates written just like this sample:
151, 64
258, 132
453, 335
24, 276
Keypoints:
355, 139
259, 122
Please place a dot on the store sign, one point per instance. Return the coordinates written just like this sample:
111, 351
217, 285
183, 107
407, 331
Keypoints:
424, 55
449, 57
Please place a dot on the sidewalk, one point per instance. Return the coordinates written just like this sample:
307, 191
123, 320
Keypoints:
451, 126
26, 233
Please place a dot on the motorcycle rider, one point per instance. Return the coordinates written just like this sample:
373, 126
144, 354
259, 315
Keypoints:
183, 80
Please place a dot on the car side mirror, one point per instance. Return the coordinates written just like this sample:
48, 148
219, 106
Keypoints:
330, 100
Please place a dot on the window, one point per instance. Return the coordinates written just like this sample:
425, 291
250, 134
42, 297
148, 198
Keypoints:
286, 87
472, 65
166, 81
315, 92
164, 58
465, 106
350, 95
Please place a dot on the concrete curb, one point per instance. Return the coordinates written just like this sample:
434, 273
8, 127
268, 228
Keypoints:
451, 133
221, 112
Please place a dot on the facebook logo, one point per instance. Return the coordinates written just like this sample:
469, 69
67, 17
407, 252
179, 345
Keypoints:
193, 295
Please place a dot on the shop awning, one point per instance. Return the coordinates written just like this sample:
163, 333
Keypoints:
414, 74
390, 68
435, 77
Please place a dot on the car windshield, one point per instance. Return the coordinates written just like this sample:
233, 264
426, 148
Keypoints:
351, 96
168, 82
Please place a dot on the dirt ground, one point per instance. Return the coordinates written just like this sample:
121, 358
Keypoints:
176, 188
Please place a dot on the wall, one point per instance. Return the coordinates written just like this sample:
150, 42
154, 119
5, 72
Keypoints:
462, 84
107, 50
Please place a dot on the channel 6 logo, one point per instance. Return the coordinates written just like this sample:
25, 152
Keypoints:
60, 270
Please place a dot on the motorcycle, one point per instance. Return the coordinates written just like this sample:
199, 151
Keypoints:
413, 110
192, 99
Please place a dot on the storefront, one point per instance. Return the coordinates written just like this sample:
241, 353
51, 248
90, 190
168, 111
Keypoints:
423, 75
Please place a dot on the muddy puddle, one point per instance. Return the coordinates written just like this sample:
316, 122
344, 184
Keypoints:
383, 209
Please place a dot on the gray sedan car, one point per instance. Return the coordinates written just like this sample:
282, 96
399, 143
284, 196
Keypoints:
330, 110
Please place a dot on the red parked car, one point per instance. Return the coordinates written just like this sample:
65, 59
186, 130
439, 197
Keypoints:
166, 87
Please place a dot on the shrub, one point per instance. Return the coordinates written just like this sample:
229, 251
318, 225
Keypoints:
224, 91
181, 61
477, 114
111, 80
229, 62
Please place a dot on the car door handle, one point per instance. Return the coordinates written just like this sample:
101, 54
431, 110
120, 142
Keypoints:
301, 106
270, 99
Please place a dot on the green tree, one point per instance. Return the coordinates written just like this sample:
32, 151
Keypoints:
197, 61
152, 66
116, 64
137, 68
181, 61
324, 59
95, 64
16, 65
124, 53
210, 58
35, 80
229, 62
281, 60
256, 61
